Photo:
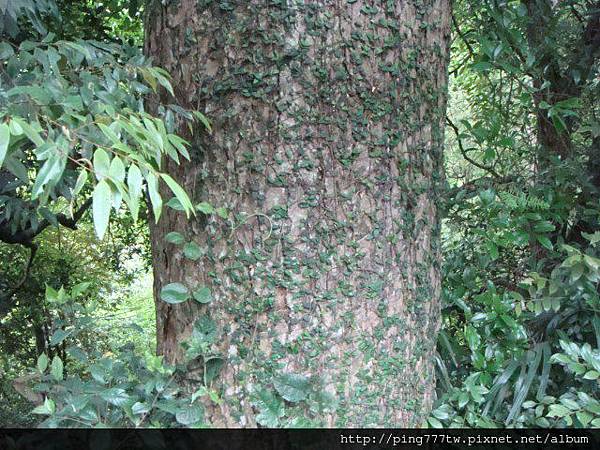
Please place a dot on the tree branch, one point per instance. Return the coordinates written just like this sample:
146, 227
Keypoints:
5, 302
25, 237
464, 152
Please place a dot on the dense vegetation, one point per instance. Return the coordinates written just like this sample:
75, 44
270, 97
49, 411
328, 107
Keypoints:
520, 343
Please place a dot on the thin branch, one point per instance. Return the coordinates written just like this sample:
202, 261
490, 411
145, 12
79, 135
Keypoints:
464, 152
5, 299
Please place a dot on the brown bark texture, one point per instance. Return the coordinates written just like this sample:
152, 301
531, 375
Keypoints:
326, 152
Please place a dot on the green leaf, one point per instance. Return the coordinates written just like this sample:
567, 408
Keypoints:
115, 396
192, 251
47, 408
205, 207
58, 336
101, 163
29, 131
134, 185
222, 213
546, 243
179, 193
139, 408
56, 369
558, 411
174, 293
202, 118
292, 387
4, 140
202, 295
80, 183
584, 417
101, 204
591, 375
154, 194
434, 422
117, 170
189, 414
175, 238
42, 363
205, 330
270, 407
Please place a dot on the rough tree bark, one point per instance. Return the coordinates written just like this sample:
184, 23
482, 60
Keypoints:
327, 153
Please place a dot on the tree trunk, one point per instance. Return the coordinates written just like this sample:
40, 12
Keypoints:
327, 153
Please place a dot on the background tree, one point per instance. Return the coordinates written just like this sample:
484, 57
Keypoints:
322, 272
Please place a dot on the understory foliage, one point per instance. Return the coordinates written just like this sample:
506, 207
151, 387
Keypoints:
520, 344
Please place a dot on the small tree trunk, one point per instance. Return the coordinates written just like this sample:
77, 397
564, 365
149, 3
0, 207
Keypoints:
327, 153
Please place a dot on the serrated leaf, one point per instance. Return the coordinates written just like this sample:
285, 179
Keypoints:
222, 213
292, 387
115, 396
174, 293
42, 362
270, 407
205, 330
58, 336
189, 414
101, 204
139, 408
56, 368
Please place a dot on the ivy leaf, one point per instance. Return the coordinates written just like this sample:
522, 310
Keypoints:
174, 293
270, 407
222, 213
189, 414
175, 238
192, 251
202, 295
101, 204
56, 368
205, 207
205, 330
292, 387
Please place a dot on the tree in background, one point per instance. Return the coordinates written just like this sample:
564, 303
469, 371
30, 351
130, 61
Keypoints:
318, 280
